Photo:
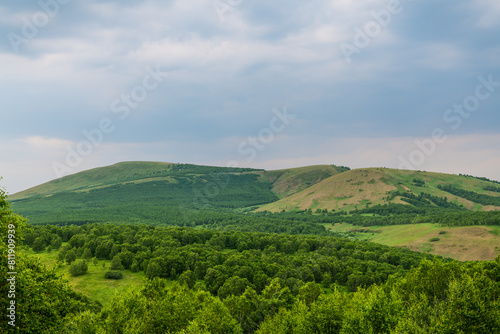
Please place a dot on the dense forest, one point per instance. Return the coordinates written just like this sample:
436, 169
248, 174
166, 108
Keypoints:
222, 259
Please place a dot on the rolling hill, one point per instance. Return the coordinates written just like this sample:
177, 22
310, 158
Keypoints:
165, 193
157, 192
365, 187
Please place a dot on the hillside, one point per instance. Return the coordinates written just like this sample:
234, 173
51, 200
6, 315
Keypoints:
157, 192
287, 182
366, 187
173, 194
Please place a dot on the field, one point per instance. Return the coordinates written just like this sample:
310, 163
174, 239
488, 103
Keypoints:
93, 284
468, 243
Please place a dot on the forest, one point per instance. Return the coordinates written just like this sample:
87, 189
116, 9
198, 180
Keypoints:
203, 280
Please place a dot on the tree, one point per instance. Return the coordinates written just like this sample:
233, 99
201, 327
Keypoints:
43, 298
70, 256
38, 245
87, 254
78, 268
233, 286
310, 292
217, 319
126, 258
116, 263
188, 277
154, 269
56, 242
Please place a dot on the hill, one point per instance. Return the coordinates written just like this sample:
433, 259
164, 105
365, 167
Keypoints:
158, 192
367, 187
181, 194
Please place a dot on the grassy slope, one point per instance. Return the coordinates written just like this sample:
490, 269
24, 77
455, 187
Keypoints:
287, 182
95, 178
369, 186
470, 243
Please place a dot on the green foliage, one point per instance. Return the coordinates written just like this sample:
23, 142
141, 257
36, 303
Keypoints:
113, 274
188, 277
434, 239
38, 245
471, 195
42, 298
116, 263
310, 292
169, 194
492, 188
78, 268
434, 298
229, 262
70, 256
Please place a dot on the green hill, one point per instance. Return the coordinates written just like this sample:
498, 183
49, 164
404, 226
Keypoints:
367, 187
141, 192
158, 192
166, 193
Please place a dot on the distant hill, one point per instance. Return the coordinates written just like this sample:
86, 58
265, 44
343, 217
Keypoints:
166, 193
367, 187
158, 192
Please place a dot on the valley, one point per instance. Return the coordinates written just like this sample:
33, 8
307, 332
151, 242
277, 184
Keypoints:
160, 247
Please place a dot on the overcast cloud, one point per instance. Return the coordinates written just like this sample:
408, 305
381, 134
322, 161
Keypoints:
262, 84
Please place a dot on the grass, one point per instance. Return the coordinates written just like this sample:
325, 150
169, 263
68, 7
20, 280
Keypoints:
290, 181
462, 243
356, 188
93, 284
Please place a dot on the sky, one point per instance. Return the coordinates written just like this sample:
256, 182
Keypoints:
249, 83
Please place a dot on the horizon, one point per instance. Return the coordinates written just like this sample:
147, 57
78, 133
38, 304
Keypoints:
400, 84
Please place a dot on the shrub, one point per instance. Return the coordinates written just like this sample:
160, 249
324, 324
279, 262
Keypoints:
113, 274
434, 239
78, 268
116, 263
442, 232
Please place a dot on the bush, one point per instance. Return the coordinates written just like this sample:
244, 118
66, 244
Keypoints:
78, 268
116, 263
113, 274
434, 239
442, 232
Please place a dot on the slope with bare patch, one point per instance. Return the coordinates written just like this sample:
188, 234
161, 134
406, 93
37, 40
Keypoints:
360, 188
287, 182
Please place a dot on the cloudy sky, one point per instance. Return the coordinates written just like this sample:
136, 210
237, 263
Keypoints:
266, 84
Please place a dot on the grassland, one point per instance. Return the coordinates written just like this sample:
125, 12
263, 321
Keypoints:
358, 188
287, 182
469, 243
93, 284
